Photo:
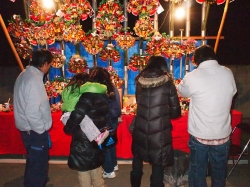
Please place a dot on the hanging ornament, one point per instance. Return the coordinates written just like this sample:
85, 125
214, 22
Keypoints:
218, 2
58, 26
74, 34
137, 7
41, 35
93, 43
137, 62
157, 45
125, 40
77, 64
143, 27
23, 49
116, 80
38, 14
58, 58
109, 16
74, 12
110, 53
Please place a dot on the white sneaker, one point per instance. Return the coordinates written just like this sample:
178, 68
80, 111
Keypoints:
116, 168
108, 175
101, 137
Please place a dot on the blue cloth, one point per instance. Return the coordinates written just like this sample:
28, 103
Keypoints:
200, 154
110, 158
37, 148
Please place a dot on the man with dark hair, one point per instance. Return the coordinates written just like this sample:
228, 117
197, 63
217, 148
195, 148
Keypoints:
33, 117
211, 88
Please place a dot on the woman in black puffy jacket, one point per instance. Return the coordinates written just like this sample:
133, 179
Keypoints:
157, 103
85, 156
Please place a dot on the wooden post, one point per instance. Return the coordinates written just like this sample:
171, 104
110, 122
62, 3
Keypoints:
221, 26
11, 43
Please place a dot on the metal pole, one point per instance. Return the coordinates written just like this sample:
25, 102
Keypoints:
188, 6
204, 16
171, 19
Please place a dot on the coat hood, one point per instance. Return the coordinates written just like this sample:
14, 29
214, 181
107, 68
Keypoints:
152, 78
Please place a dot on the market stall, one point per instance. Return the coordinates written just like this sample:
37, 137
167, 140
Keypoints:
11, 143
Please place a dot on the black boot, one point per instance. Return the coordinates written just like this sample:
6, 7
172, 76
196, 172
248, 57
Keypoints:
135, 180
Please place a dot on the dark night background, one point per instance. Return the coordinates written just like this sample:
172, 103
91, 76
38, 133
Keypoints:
233, 49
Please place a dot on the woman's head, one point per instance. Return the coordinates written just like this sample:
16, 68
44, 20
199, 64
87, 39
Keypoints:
157, 62
102, 76
203, 53
78, 79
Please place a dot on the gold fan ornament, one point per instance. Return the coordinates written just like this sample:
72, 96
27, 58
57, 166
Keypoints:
74, 34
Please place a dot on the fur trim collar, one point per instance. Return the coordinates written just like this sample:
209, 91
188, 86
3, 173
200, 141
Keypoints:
153, 82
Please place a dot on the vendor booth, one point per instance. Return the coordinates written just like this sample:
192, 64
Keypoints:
110, 45
11, 142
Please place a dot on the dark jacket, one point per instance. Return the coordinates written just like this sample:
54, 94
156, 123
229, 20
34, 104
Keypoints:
157, 102
85, 155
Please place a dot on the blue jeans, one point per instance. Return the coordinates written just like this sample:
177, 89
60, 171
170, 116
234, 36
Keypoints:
200, 154
36, 169
110, 158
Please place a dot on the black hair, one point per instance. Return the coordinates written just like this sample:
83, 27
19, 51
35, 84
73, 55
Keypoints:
102, 76
40, 57
203, 53
157, 63
77, 80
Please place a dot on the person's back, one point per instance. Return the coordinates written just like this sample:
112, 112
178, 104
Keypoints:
211, 88
157, 102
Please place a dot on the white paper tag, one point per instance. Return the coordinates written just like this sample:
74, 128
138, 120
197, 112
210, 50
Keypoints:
160, 9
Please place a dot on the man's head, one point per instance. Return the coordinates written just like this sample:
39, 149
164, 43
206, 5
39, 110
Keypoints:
203, 53
41, 59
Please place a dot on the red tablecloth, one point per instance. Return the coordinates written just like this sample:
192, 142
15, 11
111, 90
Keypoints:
11, 143
179, 134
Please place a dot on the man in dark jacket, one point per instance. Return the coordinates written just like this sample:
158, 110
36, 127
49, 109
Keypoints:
157, 102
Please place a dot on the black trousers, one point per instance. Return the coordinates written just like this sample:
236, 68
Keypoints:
157, 175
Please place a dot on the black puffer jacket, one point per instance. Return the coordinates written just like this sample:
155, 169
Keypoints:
85, 155
157, 102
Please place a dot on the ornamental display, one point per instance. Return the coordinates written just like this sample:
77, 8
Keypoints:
110, 54
218, 2
74, 34
137, 7
125, 40
55, 87
116, 80
137, 62
144, 27
109, 16
38, 14
158, 45
77, 64
74, 12
93, 43
58, 59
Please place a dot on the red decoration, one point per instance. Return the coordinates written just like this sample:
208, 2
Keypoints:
219, 2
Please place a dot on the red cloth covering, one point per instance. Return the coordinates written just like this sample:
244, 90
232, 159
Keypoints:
11, 142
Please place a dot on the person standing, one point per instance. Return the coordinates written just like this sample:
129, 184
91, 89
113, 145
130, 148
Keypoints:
85, 156
33, 117
110, 165
157, 102
211, 88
